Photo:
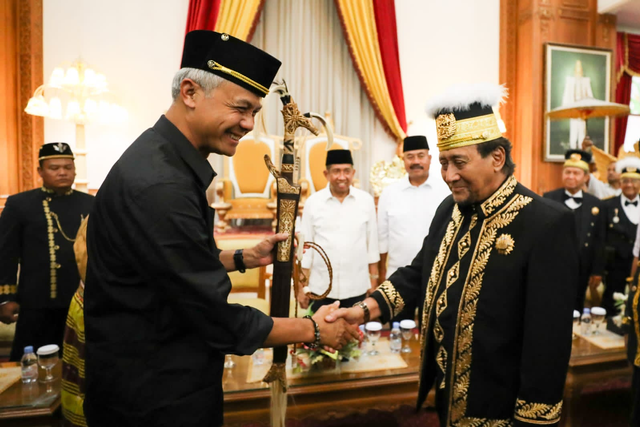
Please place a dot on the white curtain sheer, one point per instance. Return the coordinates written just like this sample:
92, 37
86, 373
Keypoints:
307, 37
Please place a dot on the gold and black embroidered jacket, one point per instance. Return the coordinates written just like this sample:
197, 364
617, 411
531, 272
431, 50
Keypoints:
497, 285
37, 229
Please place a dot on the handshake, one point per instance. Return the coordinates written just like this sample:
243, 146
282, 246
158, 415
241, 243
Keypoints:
339, 326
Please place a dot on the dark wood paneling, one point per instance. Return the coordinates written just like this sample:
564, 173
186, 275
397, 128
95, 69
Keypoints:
526, 25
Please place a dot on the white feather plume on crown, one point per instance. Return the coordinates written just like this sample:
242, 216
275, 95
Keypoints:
626, 162
459, 97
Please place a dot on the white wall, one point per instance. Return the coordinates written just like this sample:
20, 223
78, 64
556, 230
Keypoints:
137, 45
443, 43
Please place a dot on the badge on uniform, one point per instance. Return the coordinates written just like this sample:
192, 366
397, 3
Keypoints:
505, 244
615, 219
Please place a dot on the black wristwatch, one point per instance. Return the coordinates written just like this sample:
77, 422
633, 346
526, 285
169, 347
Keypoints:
238, 259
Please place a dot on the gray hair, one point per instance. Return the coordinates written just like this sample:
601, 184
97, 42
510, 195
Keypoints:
208, 81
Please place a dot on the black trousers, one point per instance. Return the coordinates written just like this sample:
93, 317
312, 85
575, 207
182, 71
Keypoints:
38, 327
345, 303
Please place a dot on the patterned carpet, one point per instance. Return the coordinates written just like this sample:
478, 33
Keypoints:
608, 408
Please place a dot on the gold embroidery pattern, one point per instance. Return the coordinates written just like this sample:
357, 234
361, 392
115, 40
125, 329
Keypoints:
441, 359
483, 422
53, 264
497, 199
49, 191
462, 355
464, 244
538, 413
8, 289
636, 324
392, 297
436, 273
285, 225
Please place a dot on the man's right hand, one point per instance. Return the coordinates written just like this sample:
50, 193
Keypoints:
335, 334
9, 312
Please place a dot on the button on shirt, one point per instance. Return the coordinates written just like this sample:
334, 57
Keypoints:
348, 233
404, 217
632, 211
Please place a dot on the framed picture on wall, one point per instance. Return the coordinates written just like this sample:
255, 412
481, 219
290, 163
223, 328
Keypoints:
574, 73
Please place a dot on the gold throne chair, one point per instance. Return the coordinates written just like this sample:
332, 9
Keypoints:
245, 191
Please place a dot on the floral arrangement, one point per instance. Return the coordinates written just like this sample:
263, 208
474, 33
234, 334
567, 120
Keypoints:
620, 302
305, 359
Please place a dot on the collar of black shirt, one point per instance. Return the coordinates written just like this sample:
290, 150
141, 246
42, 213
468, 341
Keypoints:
187, 151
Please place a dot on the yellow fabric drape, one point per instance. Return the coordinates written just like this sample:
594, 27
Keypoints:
360, 30
237, 17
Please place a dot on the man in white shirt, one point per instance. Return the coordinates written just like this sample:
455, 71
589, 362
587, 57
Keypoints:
622, 215
406, 208
342, 220
602, 190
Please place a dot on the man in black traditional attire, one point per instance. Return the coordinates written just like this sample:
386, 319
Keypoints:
495, 276
622, 216
37, 231
157, 320
589, 223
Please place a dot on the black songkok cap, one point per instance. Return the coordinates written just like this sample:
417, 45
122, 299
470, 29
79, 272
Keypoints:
55, 150
417, 142
231, 59
339, 157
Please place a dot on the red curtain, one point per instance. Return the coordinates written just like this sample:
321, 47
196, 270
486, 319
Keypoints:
627, 66
202, 14
385, 14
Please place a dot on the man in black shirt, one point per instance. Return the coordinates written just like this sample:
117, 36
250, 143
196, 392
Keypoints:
158, 324
37, 231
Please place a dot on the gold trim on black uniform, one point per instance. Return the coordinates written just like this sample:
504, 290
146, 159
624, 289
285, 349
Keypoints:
537, 413
8, 289
53, 263
392, 298
463, 343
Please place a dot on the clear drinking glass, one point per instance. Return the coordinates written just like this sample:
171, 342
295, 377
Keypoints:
373, 333
228, 362
47, 359
406, 327
598, 317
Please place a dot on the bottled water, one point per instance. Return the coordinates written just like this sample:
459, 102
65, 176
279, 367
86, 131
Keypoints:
29, 364
395, 338
585, 321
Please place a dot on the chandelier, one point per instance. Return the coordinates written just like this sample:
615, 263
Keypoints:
81, 95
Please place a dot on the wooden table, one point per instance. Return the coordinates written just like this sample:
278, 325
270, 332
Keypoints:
333, 394
590, 365
23, 405
342, 395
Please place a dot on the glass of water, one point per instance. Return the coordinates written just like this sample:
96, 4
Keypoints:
47, 359
598, 317
373, 333
406, 327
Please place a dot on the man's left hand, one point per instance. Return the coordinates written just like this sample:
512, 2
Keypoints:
261, 254
594, 282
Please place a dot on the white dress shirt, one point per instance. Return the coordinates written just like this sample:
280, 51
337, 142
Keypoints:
405, 213
600, 189
632, 212
572, 204
348, 233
